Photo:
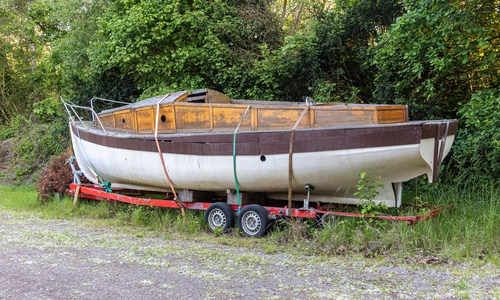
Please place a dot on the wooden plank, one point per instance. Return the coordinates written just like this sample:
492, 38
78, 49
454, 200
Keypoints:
145, 119
392, 114
217, 97
165, 119
254, 119
207, 117
192, 118
281, 119
107, 121
246, 198
182, 98
77, 193
228, 118
124, 121
343, 117
211, 118
194, 196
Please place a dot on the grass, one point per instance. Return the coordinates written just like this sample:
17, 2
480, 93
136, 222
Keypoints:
468, 231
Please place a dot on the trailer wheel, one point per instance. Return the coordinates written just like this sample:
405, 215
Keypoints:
219, 215
253, 220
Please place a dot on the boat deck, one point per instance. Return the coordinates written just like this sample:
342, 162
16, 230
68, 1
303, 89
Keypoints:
183, 113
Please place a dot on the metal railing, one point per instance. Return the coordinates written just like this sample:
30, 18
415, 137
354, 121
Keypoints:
72, 106
105, 100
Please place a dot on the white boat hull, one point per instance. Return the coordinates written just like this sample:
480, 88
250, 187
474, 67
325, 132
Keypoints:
334, 174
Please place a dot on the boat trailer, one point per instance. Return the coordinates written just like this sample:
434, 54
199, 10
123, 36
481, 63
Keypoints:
252, 219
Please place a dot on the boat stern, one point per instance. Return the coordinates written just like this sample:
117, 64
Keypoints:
436, 142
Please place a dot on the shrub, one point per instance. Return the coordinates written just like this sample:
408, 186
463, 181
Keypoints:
55, 177
477, 149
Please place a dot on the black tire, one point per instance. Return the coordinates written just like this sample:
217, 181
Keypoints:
253, 220
219, 215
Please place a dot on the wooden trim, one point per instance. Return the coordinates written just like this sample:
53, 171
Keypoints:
174, 117
254, 119
268, 142
211, 118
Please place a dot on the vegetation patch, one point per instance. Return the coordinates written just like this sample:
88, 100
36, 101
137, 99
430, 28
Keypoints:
56, 177
466, 232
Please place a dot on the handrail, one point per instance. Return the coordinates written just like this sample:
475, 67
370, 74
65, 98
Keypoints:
73, 106
103, 99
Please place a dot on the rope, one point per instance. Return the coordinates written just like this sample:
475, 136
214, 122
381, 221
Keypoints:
162, 159
236, 182
290, 159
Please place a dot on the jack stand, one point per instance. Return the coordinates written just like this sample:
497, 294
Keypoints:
77, 174
309, 188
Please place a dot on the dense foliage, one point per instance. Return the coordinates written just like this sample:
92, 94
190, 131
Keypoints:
183, 44
439, 57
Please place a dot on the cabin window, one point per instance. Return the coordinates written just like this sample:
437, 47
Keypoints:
123, 121
163, 119
197, 96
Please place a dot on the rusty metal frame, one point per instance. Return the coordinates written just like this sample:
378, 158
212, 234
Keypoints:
96, 192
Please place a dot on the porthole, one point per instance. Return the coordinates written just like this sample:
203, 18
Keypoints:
262, 158
123, 121
163, 119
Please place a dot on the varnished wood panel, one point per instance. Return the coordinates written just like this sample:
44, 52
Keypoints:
220, 117
227, 119
125, 121
145, 120
392, 114
166, 119
343, 117
279, 118
107, 121
192, 118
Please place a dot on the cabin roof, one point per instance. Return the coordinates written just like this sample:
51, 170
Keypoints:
171, 97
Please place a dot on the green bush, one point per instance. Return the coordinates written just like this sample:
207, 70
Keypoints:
477, 149
35, 142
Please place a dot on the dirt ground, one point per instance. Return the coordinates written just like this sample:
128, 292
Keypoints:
60, 259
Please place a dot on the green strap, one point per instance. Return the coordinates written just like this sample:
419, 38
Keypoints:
236, 182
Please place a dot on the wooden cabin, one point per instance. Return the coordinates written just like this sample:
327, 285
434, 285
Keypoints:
211, 111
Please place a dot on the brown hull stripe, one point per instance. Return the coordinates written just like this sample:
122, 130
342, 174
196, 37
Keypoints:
272, 142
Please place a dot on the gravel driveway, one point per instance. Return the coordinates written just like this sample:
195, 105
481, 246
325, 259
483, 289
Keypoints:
60, 259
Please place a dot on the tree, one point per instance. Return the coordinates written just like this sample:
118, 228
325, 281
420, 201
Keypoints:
477, 151
183, 44
18, 59
68, 27
345, 37
437, 55
442, 59
330, 60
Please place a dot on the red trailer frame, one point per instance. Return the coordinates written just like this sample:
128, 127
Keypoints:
96, 192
